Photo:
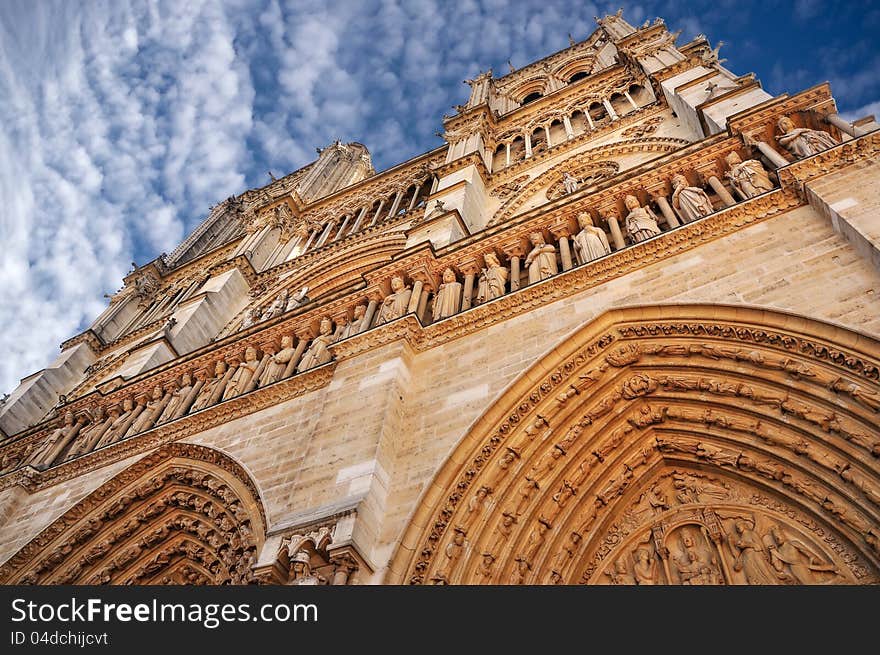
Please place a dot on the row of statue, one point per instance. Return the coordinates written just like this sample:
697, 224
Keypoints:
88, 431
283, 302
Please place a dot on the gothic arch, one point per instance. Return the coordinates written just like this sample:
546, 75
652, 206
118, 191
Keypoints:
184, 514
726, 444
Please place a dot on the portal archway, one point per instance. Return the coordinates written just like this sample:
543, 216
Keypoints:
724, 445
184, 514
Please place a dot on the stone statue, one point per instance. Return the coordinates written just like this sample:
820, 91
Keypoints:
448, 299
152, 411
569, 182
801, 141
541, 261
122, 420
251, 317
181, 397
748, 177
242, 376
318, 352
396, 303
212, 389
278, 306
690, 202
640, 222
750, 557
493, 277
278, 362
619, 574
56, 442
298, 299
794, 561
89, 437
590, 243
359, 323
645, 569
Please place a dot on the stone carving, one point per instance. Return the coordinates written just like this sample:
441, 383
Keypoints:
645, 569
641, 223
569, 183
541, 260
277, 363
278, 306
801, 141
694, 566
751, 558
396, 303
794, 561
212, 389
242, 375
318, 352
53, 446
590, 243
447, 301
153, 409
748, 177
182, 397
358, 324
690, 202
298, 299
122, 420
89, 436
251, 317
620, 574
492, 280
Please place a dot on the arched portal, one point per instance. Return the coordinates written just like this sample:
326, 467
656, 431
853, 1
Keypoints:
184, 514
724, 445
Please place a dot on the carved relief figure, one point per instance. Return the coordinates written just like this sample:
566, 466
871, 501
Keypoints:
278, 362
278, 306
152, 410
620, 574
212, 389
56, 442
396, 303
243, 373
181, 398
251, 317
90, 435
794, 561
590, 243
569, 182
645, 568
801, 141
690, 202
493, 277
541, 261
318, 352
298, 299
694, 567
750, 557
748, 177
640, 222
122, 420
448, 299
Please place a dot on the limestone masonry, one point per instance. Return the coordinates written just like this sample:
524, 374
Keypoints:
621, 328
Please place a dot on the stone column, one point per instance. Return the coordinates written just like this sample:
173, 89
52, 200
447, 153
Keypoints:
415, 196
845, 126
589, 120
610, 109
666, 210
774, 157
631, 101
515, 252
371, 311
561, 232
507, 160
359, 221
616, 234
395, 205
469, 269
378, 213
342, 227
569, 130
547, 134
723, 193
423, 303
311, 238
326, 233
416, 297
303, 338
528, 145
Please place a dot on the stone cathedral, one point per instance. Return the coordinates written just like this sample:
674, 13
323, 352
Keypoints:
622, 327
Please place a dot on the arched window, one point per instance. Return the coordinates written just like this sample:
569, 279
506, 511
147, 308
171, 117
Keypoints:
499, 160
578, 76
530, 98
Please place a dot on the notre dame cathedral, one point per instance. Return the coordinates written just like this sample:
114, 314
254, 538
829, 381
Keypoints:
622, 327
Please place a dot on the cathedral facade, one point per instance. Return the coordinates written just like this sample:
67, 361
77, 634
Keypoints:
621, 328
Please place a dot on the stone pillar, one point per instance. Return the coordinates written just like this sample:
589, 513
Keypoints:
371, 312
631, 101
616, 234
774, 157
303, 338
395, 205
515, 252
416, 297
666, 210
723, 193
528, 145
547, 134
423, 303
561, 232
507, 159
359, 221
589, 120
342, 227
610, 109
845, 126
569, 130
415, 196
378, 213
470, 272
311, 238
326, 233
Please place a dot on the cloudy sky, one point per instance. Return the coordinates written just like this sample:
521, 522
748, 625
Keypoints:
122, 122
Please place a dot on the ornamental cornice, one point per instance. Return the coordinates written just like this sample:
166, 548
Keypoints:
798, 174
757, 120
219, 414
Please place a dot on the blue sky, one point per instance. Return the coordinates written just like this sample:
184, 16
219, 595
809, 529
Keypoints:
122, 122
